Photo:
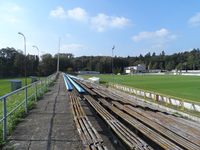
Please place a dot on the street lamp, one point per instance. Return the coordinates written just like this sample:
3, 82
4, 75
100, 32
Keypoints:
58, 55
26, 90
25, 56
112, 61
34, 46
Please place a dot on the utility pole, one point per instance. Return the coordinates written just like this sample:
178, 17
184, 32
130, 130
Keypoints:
58, 60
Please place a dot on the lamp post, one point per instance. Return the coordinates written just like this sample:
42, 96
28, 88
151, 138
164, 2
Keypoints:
34, 46
112, 61
26, 89
25, 56
58, 56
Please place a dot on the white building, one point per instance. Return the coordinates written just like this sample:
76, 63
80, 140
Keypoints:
94, 80
135, 69
88, 72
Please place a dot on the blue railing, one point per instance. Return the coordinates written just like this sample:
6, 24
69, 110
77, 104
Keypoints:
78, 87
67, 83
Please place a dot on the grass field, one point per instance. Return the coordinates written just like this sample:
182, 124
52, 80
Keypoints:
5, 85
16, 99
186, 87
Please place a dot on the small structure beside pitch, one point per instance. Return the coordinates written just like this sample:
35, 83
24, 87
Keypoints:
140, 68
94, 80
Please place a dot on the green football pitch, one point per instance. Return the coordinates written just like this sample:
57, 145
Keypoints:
5, 85
185, 87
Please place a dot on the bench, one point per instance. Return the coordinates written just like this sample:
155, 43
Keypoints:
89, 136
86, 88
183, 141
125, 134
146, 131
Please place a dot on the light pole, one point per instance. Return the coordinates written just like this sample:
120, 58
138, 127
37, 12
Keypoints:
25, 56
58, 56
26, 89
112, 61
34, 46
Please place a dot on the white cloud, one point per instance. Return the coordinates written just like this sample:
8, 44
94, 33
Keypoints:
15, 8
59, 12
195, 20
72, 47
157, 39
159, 34
10, 8
67, 35
9, 12
102, 21
119, 21
11, 19
78, 14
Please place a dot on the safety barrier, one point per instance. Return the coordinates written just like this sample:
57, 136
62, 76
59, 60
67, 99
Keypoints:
12, 103
185, 104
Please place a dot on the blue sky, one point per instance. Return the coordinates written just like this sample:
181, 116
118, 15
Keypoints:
92, 27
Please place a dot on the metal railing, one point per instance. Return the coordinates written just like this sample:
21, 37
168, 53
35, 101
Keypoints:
18, 101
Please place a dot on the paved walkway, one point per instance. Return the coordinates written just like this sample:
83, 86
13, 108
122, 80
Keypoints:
49, 126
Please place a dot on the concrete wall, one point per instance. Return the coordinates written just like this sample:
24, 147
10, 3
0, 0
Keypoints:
159, 97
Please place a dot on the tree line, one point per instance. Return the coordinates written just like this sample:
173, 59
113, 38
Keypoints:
12, 62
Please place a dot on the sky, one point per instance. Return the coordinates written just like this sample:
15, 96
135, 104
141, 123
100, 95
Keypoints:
92, 27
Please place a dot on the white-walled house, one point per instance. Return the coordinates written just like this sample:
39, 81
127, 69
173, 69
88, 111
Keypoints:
140, 68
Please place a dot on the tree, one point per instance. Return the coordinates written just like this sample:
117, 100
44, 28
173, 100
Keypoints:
12, 62
47, 65
19, 64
